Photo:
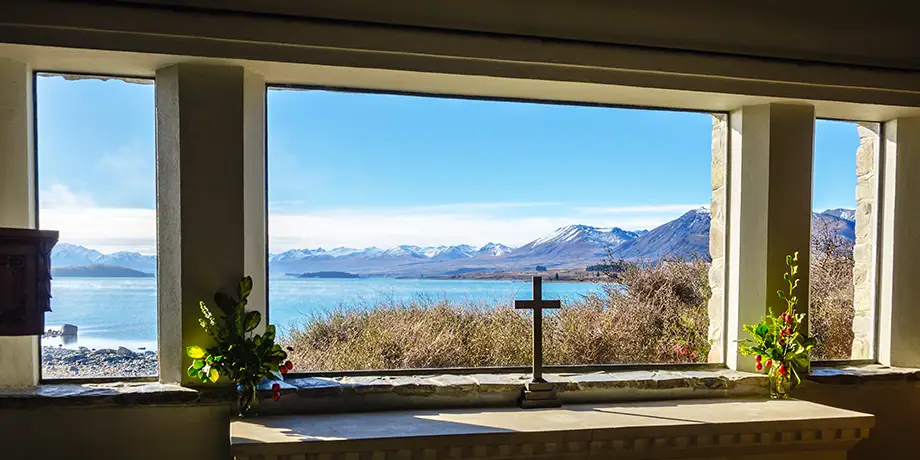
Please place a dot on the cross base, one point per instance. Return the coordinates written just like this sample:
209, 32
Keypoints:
539, 395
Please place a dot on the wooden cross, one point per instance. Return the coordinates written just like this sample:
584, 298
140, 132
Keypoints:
537, 305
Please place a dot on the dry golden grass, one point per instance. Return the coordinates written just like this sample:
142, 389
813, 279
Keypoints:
653, 314
831, 299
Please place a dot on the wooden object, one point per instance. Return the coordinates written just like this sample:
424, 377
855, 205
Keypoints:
539, 392
25, 280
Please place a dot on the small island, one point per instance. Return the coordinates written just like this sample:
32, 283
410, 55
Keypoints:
324, 275
98, 271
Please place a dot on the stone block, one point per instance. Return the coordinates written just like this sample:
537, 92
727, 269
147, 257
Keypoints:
864, 326
860, 273
861, 349
719, 150
866, 187
717, 274
862, 298
865, 221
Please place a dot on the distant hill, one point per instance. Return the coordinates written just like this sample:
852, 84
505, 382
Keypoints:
71, 255
324, 275
98, 271
686, 236
567, 248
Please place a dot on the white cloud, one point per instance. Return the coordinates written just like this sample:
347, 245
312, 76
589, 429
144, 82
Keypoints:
660, 208
106, 230
58, 196
131, 229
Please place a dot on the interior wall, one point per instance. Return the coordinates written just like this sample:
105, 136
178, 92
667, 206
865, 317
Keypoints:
138, 433
895, 404
817, 30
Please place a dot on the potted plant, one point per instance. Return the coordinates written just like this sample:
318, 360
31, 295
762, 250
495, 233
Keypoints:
239, 355
778, 347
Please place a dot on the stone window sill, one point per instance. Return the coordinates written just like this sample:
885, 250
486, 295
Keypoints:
367, 393
859, 374
97, 394
370, 393
726, 428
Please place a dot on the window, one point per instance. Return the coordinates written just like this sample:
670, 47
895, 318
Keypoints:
96, 175
842, 300
401, 228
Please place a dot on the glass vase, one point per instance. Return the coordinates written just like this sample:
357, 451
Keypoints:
780, 384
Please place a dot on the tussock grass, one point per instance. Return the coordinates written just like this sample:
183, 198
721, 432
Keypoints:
647, 314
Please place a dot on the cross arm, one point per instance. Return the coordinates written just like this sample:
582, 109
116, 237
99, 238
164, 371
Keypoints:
535, 304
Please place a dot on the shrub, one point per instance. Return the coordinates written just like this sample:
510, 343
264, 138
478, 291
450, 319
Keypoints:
831, 299
652, 314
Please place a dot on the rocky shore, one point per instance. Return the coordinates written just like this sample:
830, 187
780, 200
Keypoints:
62, 363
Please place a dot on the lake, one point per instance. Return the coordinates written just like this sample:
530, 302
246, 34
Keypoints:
113, 312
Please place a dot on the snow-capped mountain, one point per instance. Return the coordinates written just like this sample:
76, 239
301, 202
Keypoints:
71, 255
842, 213
574, 242
68, 255
688, 235
572, 246
840, 221
463, 251
494, 250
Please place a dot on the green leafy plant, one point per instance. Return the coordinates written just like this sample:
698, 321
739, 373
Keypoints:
239, 354
776, 343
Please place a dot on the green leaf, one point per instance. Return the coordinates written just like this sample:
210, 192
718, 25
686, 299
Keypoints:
781, 294
226, 303
253, 318
195, 352
245, 288
192, 372
213, 375
197, 364
762, 330
788, 260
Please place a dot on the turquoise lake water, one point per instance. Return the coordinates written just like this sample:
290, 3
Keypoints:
112, 312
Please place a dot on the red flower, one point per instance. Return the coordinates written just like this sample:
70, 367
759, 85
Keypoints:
276, 387
758, 366
693, 355
788, 331
788, 319
757, 358
782, 369
289, 365
684, 351
769, 363
276, 396
283, 370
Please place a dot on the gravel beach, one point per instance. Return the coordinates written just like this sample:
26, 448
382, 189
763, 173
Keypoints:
62, 363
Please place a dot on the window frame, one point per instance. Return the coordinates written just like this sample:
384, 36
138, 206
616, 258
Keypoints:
564, 368
36, 73
876, 253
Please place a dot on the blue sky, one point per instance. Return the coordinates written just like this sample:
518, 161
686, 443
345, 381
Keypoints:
348, 169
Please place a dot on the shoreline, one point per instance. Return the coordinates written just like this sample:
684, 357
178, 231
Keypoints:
83, 362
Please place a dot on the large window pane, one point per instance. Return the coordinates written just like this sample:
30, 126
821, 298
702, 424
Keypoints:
842, 301
96, 175
401, 229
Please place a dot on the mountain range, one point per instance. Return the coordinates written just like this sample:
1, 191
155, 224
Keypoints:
573, 246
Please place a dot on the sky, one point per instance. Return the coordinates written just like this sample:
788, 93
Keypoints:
359, 170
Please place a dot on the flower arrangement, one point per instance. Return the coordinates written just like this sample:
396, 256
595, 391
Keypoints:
240, 355
778, 347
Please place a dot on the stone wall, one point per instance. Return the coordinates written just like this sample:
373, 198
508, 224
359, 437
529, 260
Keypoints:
867, 162
717, 236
